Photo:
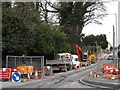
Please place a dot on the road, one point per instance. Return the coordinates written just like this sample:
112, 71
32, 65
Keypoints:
68, 79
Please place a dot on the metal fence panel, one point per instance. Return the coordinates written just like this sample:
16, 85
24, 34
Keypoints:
35, 61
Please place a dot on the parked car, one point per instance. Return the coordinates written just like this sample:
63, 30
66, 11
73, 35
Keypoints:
110, 57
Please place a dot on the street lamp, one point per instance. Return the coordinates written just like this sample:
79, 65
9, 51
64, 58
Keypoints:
115, 23
113, 45
114, 35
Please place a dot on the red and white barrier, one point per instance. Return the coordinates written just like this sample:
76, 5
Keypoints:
36, 74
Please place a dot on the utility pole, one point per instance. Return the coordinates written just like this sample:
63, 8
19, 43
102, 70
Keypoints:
114, 62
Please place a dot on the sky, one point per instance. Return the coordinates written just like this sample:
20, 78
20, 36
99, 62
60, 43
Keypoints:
107, 23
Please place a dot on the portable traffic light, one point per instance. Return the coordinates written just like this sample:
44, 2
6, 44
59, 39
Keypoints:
23, 56
118, 54
23, 59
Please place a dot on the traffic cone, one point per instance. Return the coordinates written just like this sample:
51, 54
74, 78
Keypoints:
91, 73
28, 77
36, 75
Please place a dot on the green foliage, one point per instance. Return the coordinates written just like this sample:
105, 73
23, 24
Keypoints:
24, 32
75, 15
98, 40
49, 39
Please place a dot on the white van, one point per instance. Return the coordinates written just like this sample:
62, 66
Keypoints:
63, 56
75, 60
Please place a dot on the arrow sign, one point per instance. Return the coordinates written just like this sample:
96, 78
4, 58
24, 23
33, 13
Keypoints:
16, 77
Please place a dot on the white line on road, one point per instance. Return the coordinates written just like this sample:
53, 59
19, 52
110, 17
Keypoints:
49, 83
73, 82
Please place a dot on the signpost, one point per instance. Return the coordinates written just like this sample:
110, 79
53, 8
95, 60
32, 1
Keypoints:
16, 77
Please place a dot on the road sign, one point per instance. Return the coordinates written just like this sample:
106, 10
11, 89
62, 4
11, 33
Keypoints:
5, 73
16, 77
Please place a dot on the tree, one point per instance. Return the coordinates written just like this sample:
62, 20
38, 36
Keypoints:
98, 40
73, 16
27, 27
18, 27
24, 32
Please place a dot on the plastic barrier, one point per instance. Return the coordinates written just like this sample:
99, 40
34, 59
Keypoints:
111, 71
5, 73
25, 69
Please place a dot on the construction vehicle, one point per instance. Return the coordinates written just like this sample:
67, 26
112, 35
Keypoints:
86, 58
83, 57
92, 57
75, 61
62, 61
85, 61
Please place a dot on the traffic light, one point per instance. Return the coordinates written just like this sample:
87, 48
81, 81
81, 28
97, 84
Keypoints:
23, 56
118, 54
23, 59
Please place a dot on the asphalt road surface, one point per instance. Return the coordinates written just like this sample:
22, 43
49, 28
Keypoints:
68, 79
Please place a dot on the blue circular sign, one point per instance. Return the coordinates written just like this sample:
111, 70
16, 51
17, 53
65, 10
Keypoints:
16, 77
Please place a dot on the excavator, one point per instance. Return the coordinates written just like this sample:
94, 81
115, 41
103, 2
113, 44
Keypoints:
92, 57
85, 58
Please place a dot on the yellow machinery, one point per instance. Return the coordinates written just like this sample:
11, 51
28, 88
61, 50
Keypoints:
92, 57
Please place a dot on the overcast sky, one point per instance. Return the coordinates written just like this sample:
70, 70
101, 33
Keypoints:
108, 22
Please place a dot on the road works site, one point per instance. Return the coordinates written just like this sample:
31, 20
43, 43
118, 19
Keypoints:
45, 75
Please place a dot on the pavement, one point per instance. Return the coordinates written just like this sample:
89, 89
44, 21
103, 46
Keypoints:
101, 82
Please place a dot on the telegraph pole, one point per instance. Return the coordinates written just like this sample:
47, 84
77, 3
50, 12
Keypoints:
114, 62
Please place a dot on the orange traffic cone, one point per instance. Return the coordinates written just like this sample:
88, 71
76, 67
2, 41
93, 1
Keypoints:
36, 75
91, 73
28, 77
